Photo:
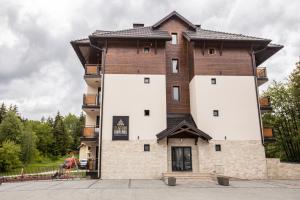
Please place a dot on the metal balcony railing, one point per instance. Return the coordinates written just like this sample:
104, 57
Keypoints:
265, 102
268, 132
261, 72
91, 131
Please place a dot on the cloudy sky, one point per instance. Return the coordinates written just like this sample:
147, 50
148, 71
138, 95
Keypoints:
40, 72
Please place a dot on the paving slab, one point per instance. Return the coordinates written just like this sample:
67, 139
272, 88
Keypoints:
111, 184
147, 184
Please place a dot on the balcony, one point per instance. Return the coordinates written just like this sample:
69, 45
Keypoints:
268, 133
265, 104
91, 103
90, 133
92, 75
261, 73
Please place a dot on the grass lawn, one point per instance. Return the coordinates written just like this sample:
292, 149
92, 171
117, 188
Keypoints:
37, 167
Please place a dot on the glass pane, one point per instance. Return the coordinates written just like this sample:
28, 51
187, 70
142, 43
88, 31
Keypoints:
174, 66
177, 161
174, 38
187, 158
176, 93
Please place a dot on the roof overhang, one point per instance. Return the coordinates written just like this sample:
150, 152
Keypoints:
76, 44
264, 54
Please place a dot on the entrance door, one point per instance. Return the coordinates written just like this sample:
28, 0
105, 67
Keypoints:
181, 159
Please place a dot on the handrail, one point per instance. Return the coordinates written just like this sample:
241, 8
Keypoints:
90, 131
92, 69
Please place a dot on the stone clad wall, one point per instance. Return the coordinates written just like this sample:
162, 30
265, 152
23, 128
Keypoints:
128, 160
238, 159
281, 170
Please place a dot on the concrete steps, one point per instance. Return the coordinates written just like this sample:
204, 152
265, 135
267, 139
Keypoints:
189, 175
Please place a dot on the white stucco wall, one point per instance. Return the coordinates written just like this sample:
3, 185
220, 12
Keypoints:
235, 98
128, 95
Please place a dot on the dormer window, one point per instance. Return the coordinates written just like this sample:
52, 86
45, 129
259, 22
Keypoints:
146, 49
174, 38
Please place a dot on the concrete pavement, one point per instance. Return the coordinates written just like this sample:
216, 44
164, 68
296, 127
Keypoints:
150, 189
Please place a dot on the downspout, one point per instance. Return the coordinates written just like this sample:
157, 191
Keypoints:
252, 53
103, 50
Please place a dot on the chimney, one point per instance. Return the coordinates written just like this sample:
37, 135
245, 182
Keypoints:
138, 25
198, 25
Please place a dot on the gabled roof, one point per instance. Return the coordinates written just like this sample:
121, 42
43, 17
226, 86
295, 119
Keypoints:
182, 126
203, 34
174, 14
141, 32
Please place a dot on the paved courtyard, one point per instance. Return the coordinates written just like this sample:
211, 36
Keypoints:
150, 189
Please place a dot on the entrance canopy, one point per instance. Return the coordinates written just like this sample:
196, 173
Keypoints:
182, 126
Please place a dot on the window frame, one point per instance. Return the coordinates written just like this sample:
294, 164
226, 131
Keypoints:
147, 112
146, 147
213, 81
176, 41
216, 113
147, 80
179, 93
178, 67
145, 47
211, 54
218, 147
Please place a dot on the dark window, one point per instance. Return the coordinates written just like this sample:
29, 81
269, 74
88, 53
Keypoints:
218, 147
97, 121
216, 113
146, 112
174, 38
213, 81
211, 51
146, 49
146, 147
175, 66
120, 128
176, 93
147, 80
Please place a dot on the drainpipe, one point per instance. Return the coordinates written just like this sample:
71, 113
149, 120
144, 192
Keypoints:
103, 50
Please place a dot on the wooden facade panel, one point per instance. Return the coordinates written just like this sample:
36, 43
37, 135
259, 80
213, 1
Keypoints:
235, 62
181, 79
128, 57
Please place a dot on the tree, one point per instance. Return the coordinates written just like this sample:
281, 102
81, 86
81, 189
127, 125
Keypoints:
11, 128
28, 145
9, 156
61, 140
74, 126
285, 118
2, 112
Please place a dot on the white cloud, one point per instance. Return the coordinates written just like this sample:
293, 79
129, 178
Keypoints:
40, 72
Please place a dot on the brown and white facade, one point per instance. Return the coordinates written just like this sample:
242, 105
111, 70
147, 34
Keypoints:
173, 98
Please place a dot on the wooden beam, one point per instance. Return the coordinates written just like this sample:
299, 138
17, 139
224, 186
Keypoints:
221, 49
137, 46
203, 48
106, 45
196, 140
155, 46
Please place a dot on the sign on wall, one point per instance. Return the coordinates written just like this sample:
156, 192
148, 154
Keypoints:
120, 129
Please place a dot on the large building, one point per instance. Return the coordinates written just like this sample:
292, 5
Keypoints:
174, 99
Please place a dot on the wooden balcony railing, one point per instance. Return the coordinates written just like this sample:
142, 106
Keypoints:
91, 100
261, 72
265, 102
90, 131
268, 132
92, 69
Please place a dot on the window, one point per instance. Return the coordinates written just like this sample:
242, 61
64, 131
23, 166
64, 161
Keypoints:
176, 93
146, 49
175, 66
213, 81
146, 147
218, 147
216, 113
174, 38
146, 80
211, 51
147, 112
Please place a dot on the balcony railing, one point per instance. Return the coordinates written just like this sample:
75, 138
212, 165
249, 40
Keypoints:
261, 72
265, 103
92, 69
91, 100
268, 132
90, 131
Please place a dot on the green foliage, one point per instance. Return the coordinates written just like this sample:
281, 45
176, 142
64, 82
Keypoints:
9, 156
74, 127
285, 118
2, 112
11, 128
60, 135
28, 145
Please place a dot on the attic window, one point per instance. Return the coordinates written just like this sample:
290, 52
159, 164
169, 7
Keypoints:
174, 38
146, 49
211, 51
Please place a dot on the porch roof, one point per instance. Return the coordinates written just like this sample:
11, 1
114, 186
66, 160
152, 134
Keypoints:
182, 126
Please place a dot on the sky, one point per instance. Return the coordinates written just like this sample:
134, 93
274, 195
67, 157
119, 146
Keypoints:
41, 74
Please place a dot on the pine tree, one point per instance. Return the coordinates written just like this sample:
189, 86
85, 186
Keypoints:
60, 146
11, 128
2, 112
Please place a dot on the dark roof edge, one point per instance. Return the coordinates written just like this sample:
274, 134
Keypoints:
174, 13
78, 52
